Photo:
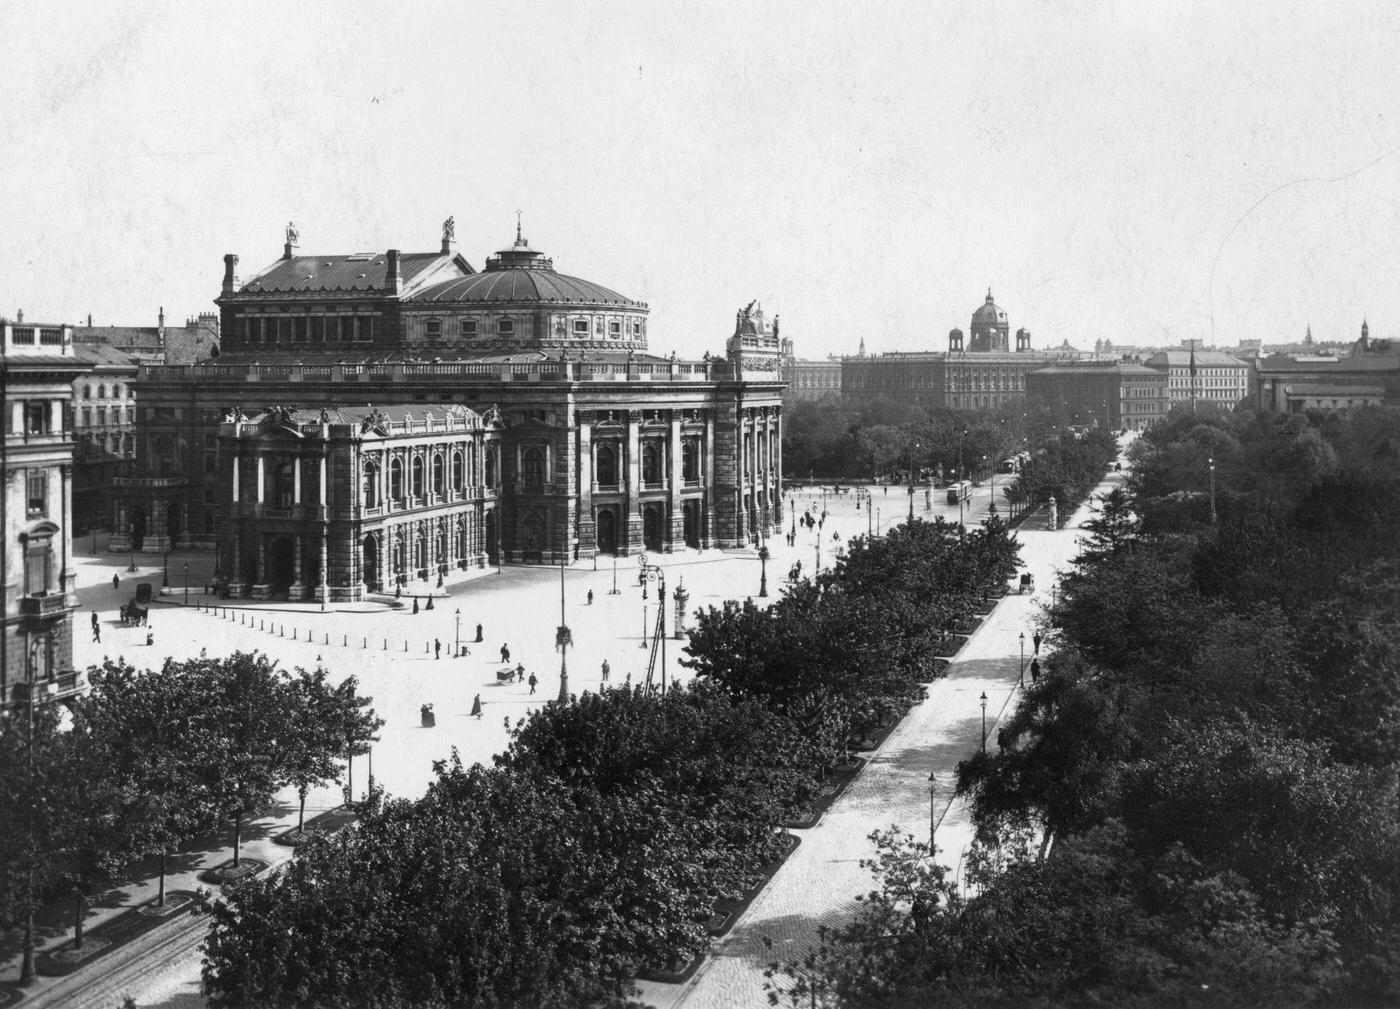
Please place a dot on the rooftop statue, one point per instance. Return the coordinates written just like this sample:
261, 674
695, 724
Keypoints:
293, 236
449, 230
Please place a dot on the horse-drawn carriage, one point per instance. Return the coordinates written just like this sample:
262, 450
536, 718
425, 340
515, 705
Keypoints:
1027, 583
133, 615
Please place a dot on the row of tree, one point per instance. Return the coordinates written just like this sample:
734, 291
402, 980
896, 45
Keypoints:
602, 838
1199, 802
153, 759
878, 438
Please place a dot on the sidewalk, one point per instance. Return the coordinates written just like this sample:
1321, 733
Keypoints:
818, 884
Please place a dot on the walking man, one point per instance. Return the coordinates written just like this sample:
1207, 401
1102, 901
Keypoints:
505, 653
437, 651
520, 672
96, 630
116, 583
1035, 640
606, 669
533, 681
1035, 670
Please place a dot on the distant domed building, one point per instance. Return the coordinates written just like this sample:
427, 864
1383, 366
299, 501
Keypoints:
990, 330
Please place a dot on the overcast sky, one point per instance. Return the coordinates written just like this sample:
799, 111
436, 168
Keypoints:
866, 170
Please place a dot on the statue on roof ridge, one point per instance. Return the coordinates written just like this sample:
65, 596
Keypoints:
293, 236
449, 230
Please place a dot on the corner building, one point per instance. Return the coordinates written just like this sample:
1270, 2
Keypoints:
575, 440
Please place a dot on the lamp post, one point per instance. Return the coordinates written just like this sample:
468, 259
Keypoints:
614, 590
984, 723
654, 572
187, 583
992, 507
644, 626
912, 447
564, 638
165, 571
1211, 460
1021, 673
457, 637
763, 562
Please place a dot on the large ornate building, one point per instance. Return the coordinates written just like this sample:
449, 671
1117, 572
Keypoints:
37, 369
1113, 395
572, 438
979, 373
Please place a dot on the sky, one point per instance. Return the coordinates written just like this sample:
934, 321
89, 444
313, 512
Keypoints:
1141, 172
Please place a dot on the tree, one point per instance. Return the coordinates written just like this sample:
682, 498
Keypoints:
327, 723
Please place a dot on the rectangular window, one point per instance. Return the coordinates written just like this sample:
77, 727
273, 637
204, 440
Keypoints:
36, 417
38, 566
86, 417
505, 327
433, 328
51, 337
468, 327
23, 336
614, 329
580, 327
38, 488
101, 416
364, 328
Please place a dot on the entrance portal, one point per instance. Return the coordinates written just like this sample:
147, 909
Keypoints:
606, 531
138, 526
281, 564
370, 563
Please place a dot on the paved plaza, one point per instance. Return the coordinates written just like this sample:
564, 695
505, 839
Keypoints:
391, 652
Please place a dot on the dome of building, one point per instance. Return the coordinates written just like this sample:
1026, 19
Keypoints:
989, 313
521, 275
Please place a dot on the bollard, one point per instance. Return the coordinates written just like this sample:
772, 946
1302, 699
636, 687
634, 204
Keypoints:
281, 631
260, 625
294, 633
328, 637
346, 642
386, 644
365, 643
405, 646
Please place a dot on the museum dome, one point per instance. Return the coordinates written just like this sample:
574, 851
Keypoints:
522, 275
989, 313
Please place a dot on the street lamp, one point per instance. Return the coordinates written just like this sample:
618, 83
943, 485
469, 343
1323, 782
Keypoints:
187, 583
564, 637
912, 447
165, 571
457, 637
763, 561
1021, 675
654, 572
614, 590
644, 626
1211, 460
984, 723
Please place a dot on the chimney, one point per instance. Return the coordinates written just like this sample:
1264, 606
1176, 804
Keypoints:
160, 322
19, 316
89, 320
392, 280
230, 273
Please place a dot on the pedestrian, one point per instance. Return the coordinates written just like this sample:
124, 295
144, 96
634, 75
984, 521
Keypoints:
116, 582
94, 620
590, 597
437, 649
476, 707
520, 672
415, 604
606, 669
1035, 640
150, 638
478, 634
533, 681
1035, 670
505, 653
97, 633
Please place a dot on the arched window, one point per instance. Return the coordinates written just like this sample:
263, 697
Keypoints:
607, 466
690, 462
396, 481
87, 392
282, 485
101, 392
651, 463
371, 485
491, 467
458, 477
534, 468
416, 468
439, 474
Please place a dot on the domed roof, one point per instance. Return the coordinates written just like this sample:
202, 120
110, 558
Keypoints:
518, 275
989, 312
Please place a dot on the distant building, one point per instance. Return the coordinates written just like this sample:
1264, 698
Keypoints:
104, 430
979, 372
808, 380
1368, 375
1203, 376
37, 370
1112, 395
197, 340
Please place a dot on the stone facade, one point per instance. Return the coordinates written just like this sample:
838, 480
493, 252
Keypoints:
38, 370
591, 445
1202, 376
1111, 395
104, 429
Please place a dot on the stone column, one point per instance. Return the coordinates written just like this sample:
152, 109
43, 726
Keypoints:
707, 474
296, 480
261, 588
675, 537
297, 590
587, 531
236, 585
631, 532
261, 482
